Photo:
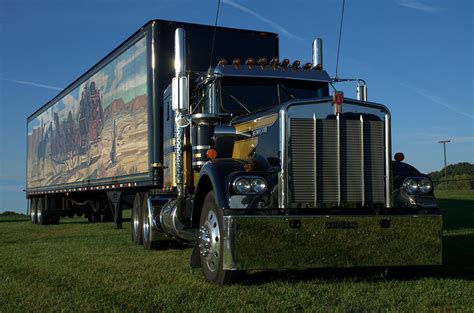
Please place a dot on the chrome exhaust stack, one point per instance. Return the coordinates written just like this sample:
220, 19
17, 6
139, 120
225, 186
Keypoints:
180, 106
361, 90
317, 54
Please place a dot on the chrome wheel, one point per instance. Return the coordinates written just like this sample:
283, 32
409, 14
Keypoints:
146, 227
136, 219
33, 211
39, 212
209, 241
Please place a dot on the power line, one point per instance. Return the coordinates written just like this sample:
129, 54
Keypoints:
214, 35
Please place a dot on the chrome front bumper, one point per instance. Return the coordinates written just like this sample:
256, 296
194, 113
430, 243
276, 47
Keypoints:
293, 242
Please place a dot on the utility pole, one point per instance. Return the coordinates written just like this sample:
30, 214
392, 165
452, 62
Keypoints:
444, 142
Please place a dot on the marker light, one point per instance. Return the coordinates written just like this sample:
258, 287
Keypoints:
307, 66
285, 63
274, 61
250, 62
222, 62
211, 154
262, 62
236, 62
296, 64
399, 157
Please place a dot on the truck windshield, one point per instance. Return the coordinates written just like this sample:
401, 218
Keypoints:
245, 95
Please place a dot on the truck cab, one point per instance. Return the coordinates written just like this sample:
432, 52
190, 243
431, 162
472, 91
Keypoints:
284, 174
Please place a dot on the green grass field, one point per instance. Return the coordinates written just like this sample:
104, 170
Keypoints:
76, 266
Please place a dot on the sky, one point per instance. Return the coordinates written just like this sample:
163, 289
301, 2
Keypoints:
415, 55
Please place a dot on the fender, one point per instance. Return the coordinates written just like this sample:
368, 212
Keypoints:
213, 176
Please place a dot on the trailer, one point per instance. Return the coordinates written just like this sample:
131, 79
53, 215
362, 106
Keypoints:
214, 141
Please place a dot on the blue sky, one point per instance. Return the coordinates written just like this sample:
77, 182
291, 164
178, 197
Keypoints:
416, 56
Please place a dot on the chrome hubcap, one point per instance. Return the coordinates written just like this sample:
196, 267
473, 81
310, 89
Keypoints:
209, 241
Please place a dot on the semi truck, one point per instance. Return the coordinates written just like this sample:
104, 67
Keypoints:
214, 141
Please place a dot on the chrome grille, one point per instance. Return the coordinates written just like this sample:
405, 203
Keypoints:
334, 161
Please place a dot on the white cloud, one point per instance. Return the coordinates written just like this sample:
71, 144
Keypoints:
435, 99
418, 5
22, 82
278, 27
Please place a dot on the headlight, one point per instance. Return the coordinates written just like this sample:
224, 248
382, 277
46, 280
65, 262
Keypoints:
242, 185
411, 185
415, 185
425, 185
259, 185
250, 184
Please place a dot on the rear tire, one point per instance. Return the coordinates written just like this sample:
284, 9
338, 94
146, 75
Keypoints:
211, 243
33, 204
136, 220
41, 217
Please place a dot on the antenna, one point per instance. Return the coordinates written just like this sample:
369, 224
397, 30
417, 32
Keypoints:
214, 35
340, 35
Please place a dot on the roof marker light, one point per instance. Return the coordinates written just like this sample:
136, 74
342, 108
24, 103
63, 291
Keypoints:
274, 62
296, 64
262, 62
222, 62
250, 62
307, 66
236, 62
285, 63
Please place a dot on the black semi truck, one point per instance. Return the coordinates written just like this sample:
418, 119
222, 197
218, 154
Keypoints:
256, 161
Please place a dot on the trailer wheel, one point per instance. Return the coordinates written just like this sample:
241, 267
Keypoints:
137, 227
211, 244
40, 212
33, 211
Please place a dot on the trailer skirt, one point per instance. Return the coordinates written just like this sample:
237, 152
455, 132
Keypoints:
298, 242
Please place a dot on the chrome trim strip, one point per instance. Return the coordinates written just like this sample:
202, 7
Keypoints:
388, 163
362, 159
315, 162
338, 159
284, 160
201, 147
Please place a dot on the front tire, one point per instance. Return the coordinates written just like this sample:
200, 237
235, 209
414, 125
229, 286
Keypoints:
147, 235
211, 244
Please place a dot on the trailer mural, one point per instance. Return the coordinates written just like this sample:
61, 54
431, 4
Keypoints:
98, 130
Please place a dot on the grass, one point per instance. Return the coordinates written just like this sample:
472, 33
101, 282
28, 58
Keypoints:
76, 266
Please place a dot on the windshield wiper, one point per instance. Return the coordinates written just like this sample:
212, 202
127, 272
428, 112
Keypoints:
288, 93
240, 103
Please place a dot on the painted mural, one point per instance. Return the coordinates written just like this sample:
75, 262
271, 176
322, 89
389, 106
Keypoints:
98, 130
